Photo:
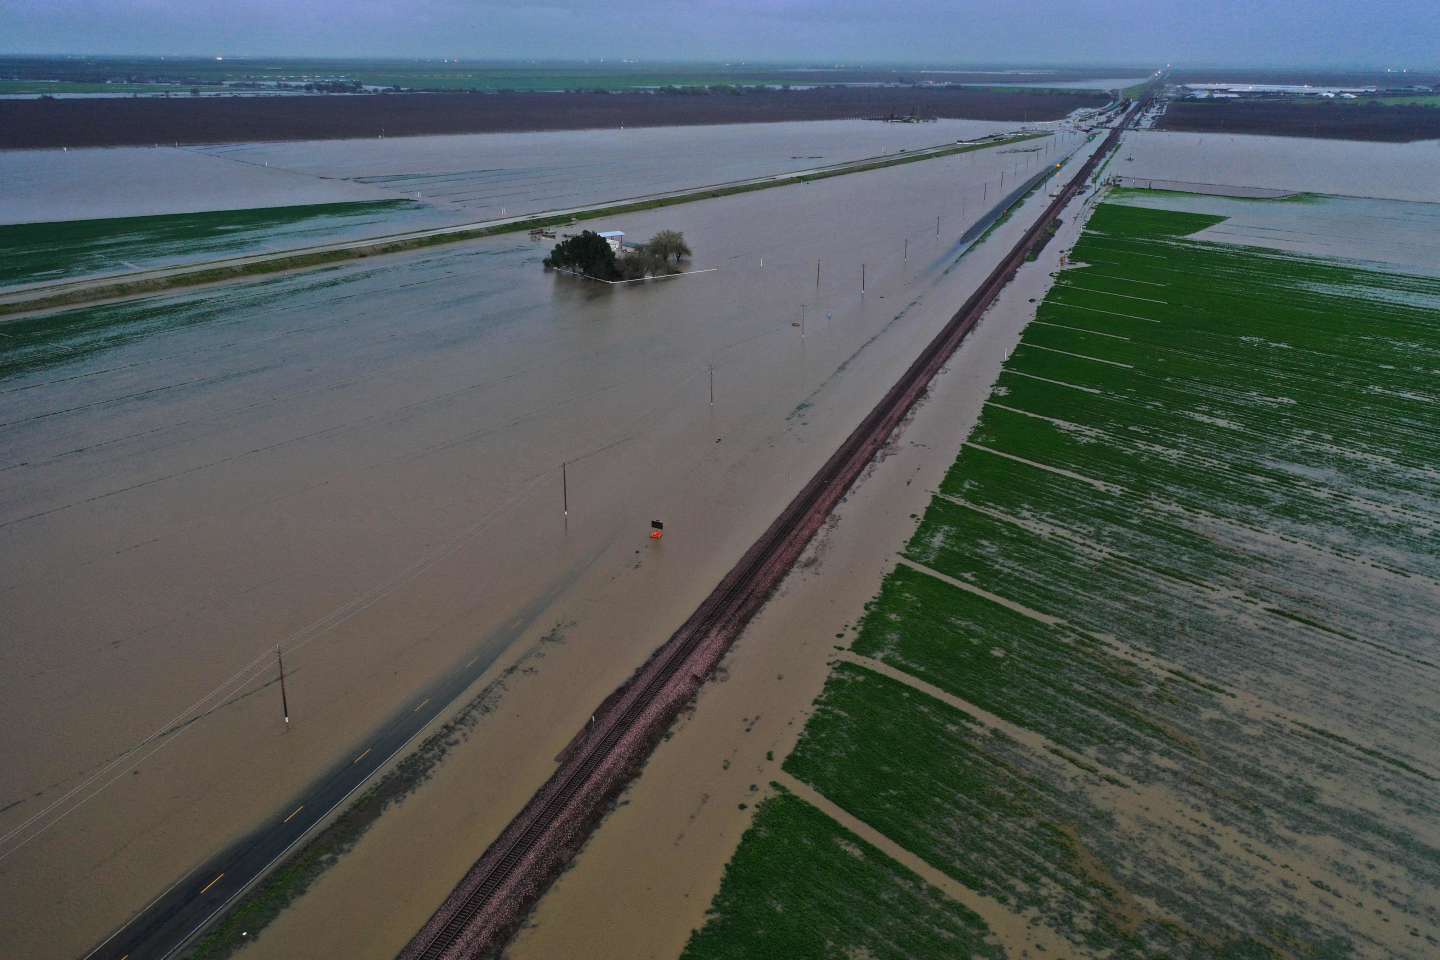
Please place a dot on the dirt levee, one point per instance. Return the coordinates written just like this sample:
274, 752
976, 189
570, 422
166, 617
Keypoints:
106, 123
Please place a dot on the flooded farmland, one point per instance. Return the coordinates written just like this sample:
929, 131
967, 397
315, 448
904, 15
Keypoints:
1393, 171
77, 213
362, 465
483, 174
1155, 674
586, 166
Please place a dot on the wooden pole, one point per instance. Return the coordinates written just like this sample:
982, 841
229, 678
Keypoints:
284, 700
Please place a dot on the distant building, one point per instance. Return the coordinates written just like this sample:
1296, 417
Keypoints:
616, 239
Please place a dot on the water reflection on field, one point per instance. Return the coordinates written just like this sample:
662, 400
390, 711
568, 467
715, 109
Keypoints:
362, 463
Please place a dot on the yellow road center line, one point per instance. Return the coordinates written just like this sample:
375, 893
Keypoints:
420, 704
361, 757
206, 888
293, 812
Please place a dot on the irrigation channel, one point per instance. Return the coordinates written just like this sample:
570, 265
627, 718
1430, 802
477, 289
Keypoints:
488, 904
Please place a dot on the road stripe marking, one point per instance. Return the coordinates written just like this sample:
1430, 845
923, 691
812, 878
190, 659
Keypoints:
293, 812
361, 757
420, 704
206, 889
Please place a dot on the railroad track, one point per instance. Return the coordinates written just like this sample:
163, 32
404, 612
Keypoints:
478, 917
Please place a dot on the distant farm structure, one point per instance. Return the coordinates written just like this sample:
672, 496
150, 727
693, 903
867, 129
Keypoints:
606, 256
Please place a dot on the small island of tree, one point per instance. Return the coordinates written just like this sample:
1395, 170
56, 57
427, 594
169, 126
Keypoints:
590, 255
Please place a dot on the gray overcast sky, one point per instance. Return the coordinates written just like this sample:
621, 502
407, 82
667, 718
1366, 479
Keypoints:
1310, 32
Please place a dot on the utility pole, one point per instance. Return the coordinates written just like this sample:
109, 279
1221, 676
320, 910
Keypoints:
862, 278
712, 384
802, 321
564, 489
284, 701
817, 273
907, 248
937, 226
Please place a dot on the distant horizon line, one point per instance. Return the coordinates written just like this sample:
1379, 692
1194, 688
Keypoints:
811, 64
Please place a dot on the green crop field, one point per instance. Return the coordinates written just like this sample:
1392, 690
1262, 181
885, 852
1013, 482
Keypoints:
35, 252
1415, 100
1199, 722
59, 86
801, 887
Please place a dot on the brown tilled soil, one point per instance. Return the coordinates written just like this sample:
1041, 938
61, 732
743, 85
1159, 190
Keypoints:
136, 122
1316, 77
1290, 119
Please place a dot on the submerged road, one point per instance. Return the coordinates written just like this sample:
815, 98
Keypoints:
169, 923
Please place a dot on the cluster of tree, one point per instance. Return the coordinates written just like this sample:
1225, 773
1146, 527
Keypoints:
590, 255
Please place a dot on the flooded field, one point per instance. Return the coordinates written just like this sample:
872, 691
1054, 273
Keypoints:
96, 184
1153, 675
41, 252
485, 174
1372, 234
362, 465
1394, 171
392, 185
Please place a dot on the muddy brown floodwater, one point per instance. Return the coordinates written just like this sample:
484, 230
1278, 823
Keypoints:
474, 176
363, 465
647, 877
1394, 171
